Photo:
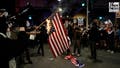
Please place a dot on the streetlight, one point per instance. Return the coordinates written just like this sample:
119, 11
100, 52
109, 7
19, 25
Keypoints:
30, 17
100, 17
59, 0
60, 9
83, 4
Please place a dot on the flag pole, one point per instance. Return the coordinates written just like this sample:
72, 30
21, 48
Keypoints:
46, 18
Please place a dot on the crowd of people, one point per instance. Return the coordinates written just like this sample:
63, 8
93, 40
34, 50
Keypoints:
99, 35
16, 39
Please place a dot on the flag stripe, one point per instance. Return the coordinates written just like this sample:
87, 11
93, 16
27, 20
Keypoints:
74, 61
52, 46
63, 32
66, 37
57, 43
59, 32
58, 38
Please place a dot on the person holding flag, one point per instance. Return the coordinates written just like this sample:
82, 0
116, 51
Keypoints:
57, 35
58, 39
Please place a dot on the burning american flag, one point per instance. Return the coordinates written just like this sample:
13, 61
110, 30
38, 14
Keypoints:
57, 35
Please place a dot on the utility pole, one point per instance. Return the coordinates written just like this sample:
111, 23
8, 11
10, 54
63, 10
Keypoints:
87, 20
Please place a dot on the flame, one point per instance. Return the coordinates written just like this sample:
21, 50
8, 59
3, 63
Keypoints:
48, 25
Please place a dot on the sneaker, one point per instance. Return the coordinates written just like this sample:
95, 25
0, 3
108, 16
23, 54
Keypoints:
108, 50
51, 59
78, 55
112, 52
73, 53
81, 65
77, 65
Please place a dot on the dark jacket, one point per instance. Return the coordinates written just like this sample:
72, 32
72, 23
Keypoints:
94, 33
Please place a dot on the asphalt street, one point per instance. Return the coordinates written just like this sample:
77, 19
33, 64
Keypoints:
106, 59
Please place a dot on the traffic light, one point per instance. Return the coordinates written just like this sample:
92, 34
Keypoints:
30, 17
83, 4
100, 17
